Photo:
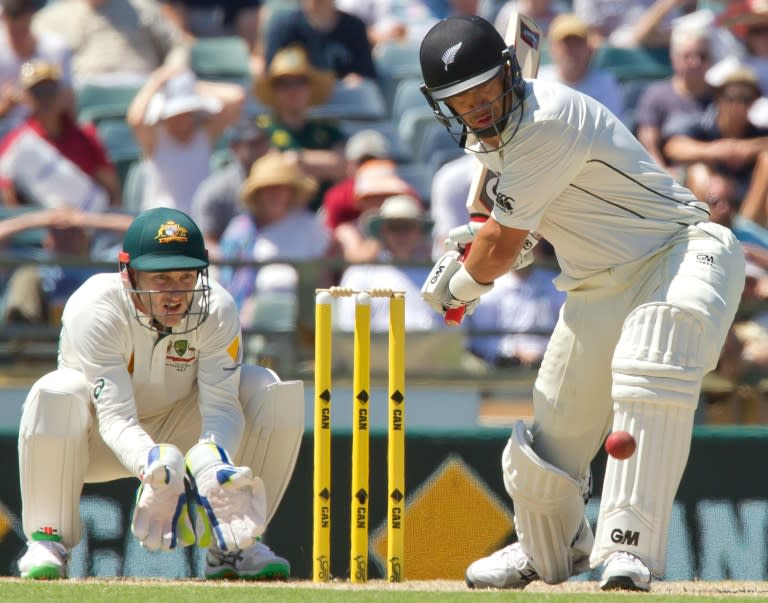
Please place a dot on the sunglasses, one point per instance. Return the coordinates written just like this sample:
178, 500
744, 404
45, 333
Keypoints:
44, 89
743, 99
401, 226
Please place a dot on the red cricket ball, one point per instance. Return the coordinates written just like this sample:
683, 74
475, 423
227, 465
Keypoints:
620, 445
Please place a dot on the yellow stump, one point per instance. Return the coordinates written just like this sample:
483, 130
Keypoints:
396, 441
358, 554
321, 533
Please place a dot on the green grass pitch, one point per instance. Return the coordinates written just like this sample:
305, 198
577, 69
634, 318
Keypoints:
197, 591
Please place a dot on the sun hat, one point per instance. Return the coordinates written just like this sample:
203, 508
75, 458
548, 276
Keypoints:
378, 177
740, 16
35, 71
367, 143
732, 71
399, 207
275, 169
178, 96
293, 61
567, 24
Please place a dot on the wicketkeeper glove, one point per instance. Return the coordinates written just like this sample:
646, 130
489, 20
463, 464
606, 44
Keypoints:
231, 504
161, 517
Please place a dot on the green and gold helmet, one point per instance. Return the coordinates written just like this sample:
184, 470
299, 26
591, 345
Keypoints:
165, 240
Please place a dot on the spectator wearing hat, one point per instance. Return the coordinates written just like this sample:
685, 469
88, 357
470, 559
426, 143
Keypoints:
375, 181
276, 227
50, 160
747, 20
402, 228
572, 63
723, 140
336, 40
685, 92
290, 87
217, 199
177, 121
19, 44
118, 42
339, 202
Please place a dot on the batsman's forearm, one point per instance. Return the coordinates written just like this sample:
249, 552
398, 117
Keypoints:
493, 253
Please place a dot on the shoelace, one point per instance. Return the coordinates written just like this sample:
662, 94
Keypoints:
229, 558
624, 556
514, 556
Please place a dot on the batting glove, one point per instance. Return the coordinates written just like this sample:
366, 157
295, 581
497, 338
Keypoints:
462, 236
231, 503
161, 518
438, 289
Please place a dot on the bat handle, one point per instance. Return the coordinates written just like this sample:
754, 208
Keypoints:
454, 316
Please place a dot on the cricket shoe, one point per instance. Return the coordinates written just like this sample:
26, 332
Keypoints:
44, 560
510, 567
254, 563
624, 571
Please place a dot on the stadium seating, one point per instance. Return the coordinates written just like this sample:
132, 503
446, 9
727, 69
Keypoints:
634, 63
395, 61
221, 58
362, 101
96, 102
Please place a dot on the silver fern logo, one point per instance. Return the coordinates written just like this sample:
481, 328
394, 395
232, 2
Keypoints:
449, 56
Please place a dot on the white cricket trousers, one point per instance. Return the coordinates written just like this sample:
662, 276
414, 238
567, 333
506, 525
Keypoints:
573, 405
60, 447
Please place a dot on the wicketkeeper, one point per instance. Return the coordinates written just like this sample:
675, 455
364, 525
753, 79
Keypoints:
150, 384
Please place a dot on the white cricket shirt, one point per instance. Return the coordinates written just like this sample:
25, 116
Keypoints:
574, 173
135, 373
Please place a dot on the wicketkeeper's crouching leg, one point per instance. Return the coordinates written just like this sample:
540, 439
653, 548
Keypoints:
230, 503
274, 415
53, 458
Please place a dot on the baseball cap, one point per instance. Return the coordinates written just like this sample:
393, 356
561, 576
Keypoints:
36, 71
367, 143
163, 239
567, 24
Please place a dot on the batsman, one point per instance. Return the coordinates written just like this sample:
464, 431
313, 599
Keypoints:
150, 384
652, 288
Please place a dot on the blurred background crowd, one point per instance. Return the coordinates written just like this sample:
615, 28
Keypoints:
295, 134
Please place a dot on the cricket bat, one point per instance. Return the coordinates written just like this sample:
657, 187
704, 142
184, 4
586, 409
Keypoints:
526, 37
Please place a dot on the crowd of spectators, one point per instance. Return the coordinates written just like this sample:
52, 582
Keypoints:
276, 170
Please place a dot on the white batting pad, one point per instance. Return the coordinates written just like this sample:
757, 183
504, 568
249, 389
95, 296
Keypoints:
549, 508
658, 368
274, 416
53, 454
